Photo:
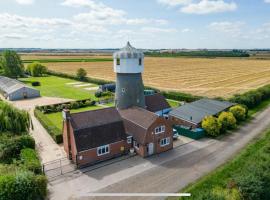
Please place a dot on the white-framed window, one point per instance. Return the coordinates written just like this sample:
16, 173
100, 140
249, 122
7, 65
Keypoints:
140, 61
103, 150
164, 142
129, 139
160, 129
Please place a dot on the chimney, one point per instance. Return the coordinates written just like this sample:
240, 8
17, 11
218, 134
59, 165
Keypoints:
66, 132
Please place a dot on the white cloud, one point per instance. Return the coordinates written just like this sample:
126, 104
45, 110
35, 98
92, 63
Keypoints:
232, 28
267, 1
158, 30
25, 2
186, 30
173, 3
13, 36
209, 6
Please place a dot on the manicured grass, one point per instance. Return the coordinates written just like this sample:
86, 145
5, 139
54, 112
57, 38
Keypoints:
53, 86
56, 118
173, 103
69, 60
244, 172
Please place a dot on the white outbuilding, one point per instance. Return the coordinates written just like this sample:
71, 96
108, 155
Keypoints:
14, 90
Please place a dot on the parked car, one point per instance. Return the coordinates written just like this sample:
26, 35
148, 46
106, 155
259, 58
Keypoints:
175, 134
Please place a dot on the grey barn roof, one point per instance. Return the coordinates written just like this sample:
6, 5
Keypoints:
196, 111
9, 85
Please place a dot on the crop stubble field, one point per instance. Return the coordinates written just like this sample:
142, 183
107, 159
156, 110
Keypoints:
199, 76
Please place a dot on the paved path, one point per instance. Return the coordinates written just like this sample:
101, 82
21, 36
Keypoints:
167, 172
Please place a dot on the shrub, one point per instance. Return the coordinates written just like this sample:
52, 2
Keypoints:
36, 69
179, 96
11, 147
23, 185
36, 83
238, 112
212, 126
81, 74
55, 132
227, 120
30, 160
13, 119
74, 105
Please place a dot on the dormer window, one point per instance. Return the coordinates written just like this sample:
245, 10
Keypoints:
118, 61
140, 61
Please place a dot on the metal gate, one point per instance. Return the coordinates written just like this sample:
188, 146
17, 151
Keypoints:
58, 167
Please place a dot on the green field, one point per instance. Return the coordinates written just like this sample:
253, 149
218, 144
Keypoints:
56, 118
173, 103
53, 86
69, 60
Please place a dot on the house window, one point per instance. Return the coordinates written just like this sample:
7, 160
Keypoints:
164, 142
103, 150
118, 61
159, 129
129, 139
140, 61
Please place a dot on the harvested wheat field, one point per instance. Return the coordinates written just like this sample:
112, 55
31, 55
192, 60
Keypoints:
199, 76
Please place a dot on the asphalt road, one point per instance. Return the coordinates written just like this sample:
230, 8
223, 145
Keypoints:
165, 173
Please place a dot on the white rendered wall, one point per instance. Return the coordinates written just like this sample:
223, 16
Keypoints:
130, 65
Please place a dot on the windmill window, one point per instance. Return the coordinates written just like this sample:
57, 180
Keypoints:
118, 61
140, 61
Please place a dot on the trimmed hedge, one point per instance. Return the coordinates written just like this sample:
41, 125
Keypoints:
178, 96
23, 186
55, 132
252, 98
30, 160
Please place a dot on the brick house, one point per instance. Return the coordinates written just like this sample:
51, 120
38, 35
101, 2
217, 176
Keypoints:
93, 136
151, 134
157, 104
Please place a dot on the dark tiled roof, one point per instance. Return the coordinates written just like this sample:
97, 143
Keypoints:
196, 111
137, 121
96, 128
156, 102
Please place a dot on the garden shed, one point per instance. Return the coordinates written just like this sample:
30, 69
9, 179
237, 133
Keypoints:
13, 89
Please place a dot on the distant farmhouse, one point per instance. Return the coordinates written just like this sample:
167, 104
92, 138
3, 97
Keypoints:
13, 90
94, 136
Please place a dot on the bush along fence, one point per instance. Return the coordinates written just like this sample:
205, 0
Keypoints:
252, 98
41, 111
20, 169
177, 96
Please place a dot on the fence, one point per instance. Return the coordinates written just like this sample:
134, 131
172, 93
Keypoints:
58, 167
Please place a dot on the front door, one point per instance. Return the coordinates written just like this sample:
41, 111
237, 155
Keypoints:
150, 148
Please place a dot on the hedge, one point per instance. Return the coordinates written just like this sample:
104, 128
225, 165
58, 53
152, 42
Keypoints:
30, 160
55, 132
252, 98
23, 186
178, 96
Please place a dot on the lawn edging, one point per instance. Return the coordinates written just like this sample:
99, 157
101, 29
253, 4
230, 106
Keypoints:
55, 132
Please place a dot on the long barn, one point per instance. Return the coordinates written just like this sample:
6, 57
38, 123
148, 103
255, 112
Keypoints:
14, 90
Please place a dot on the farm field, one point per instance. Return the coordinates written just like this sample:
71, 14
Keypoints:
198, 76
53, 86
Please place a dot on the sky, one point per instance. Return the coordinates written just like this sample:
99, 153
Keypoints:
155, 24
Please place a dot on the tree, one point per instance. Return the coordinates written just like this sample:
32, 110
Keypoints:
36, 69
227, 120
81, 74
211, 125
12, 64
239, 112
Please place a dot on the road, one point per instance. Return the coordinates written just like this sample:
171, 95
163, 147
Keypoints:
167, 172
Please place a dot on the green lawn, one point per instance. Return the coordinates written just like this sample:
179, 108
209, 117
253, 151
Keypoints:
53, 86
173, 103
56, 118
260, 107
